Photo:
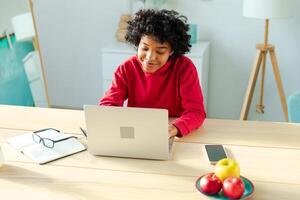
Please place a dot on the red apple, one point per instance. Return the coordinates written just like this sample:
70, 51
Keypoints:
233, 187
210, 184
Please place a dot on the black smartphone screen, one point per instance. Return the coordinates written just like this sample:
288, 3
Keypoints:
215, 153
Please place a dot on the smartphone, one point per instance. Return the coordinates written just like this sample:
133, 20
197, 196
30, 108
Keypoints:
215, 152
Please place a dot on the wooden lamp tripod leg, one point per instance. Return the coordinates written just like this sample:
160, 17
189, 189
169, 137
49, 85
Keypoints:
260, 106
279, 83
251, 85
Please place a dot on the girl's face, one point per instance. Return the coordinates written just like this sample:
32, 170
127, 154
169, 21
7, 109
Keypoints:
153, 54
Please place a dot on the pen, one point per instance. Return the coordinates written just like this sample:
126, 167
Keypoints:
83, 131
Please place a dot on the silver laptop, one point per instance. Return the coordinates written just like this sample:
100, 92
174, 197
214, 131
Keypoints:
128, 132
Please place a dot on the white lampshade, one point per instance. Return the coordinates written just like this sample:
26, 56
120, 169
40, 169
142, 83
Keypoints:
23, 27
267, 9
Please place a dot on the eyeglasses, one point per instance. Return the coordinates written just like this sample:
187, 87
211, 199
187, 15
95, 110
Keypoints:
47, 142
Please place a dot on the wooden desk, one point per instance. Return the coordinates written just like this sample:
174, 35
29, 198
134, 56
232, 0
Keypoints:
275, 170
231, 132
248, 133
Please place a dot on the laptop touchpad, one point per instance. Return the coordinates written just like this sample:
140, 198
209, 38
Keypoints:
127, 132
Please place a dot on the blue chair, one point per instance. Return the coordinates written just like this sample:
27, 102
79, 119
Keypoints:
294, 107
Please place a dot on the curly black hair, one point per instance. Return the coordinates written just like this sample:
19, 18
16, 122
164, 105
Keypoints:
164, 25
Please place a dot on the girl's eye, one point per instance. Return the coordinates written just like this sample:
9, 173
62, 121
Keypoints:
160, 53
144, 49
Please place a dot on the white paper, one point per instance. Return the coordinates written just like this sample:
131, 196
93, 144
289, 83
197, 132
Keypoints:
41, 154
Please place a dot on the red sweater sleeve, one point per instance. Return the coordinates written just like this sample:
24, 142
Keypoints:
192, 102
117, 93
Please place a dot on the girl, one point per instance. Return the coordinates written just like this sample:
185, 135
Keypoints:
159, 76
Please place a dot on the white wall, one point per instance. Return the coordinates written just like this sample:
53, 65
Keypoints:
9, 9
233, 39
71, 35
73, 59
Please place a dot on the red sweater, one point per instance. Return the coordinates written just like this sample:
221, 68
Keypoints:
175, 87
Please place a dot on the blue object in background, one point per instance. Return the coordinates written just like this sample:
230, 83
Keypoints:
14, 86
4, 42
193, 32
294, 107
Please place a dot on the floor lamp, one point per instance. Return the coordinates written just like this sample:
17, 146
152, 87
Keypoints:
264, 9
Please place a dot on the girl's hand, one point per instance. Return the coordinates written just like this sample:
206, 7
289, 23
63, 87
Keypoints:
173, 131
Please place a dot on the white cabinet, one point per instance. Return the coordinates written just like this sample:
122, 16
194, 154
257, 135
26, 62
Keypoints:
112, 57
115, 54
32, 65
199, 54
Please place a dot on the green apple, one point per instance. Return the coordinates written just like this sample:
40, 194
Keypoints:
227, 167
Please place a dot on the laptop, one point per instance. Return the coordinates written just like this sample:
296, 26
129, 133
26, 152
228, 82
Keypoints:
128, 132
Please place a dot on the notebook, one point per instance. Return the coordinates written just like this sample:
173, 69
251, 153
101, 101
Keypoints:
41, 154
